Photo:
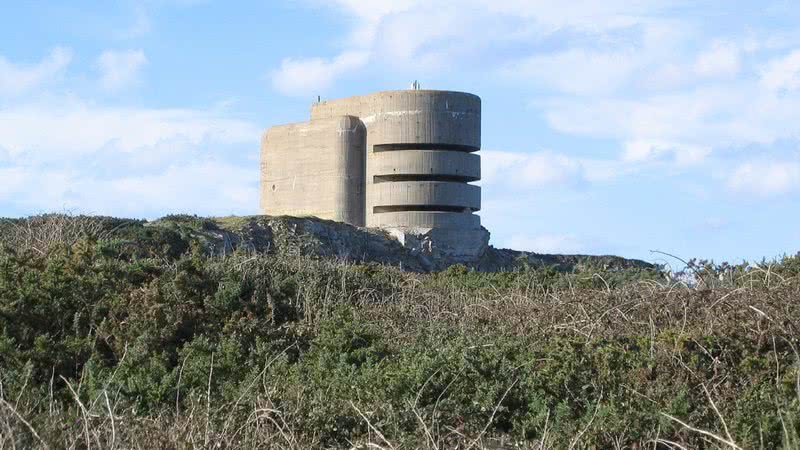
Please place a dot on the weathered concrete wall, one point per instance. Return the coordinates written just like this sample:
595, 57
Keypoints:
429, 219
315, 169
410, 116
418, 154
398, 160
405, 164
425, 196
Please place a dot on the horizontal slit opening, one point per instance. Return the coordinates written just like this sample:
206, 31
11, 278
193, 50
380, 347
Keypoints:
427, 208
424, 146
428, 177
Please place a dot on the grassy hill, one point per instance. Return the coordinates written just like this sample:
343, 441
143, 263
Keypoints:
119, 334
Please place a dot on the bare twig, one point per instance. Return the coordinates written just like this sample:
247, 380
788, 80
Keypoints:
25, 422
369, 424
703, 432
491, 419
586, 428
83, 412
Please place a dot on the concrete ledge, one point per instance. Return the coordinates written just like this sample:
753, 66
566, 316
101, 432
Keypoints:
427, 219
421, 126
433, 193
410, 116
427, 162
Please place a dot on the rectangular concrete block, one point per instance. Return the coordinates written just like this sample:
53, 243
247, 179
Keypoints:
315, 168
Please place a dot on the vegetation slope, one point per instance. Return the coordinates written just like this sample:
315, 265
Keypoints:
118, 335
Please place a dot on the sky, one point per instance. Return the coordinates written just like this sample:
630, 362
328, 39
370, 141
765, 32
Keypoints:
614, 127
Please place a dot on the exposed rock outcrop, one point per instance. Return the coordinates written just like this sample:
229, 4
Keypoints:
417, 250
422, 252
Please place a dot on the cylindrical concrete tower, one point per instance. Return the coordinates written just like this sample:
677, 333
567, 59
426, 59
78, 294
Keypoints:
419, 157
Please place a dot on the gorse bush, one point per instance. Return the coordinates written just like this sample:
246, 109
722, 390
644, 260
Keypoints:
132, 335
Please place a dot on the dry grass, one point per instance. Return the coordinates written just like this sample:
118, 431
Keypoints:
702, 338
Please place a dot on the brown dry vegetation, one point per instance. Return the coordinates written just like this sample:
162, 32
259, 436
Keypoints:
125, 336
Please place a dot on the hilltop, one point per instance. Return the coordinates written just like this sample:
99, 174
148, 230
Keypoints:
307, 236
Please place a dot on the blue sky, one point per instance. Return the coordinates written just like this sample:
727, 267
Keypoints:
614, 127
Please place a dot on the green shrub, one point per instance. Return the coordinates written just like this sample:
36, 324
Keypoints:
264, 350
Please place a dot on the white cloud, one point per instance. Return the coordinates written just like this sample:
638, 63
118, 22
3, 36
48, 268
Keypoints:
721, 60
588, 15
765, 178
140, 25
310, 76
420, 36
576, 71
623, 67
547, 15
126, 160
684, 154
546, 169
620, 67
782, 74
17, 79
627, 71
674, 104
369, 16
546, 243
216, 188
689, 123
75, 127
119, 69
530, 170
61, 151
12, 179
640, 73
496, 164
210, 188
140, 16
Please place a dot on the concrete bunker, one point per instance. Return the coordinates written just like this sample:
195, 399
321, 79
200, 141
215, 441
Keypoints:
400, 160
